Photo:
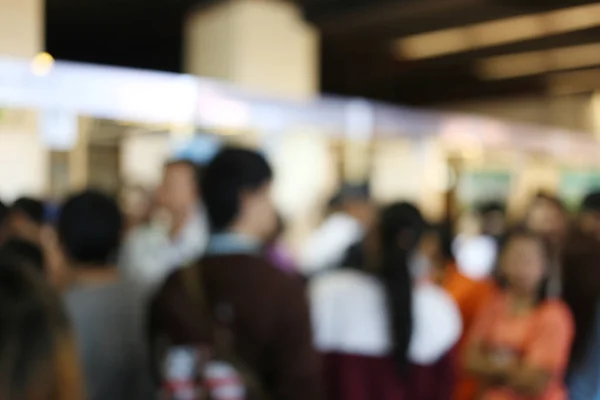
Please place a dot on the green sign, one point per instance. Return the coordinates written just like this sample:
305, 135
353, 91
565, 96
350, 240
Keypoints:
575, 184
476, 187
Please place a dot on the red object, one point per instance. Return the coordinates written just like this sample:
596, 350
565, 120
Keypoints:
351, 377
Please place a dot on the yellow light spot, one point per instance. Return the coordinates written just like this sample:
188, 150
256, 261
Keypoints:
41, 64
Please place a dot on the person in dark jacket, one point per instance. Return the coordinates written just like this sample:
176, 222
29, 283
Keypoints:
263, 308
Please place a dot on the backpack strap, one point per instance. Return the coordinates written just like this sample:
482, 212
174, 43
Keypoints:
219, 334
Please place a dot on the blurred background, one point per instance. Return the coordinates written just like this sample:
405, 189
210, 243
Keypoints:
446, 103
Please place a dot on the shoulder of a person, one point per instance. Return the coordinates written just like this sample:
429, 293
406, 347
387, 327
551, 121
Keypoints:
254, 263
437, 324
428, 294
555, 312
254, 270
344, 281
173, 284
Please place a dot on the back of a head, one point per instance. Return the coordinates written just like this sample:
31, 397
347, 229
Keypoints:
491, 207
37, 353
3, 212
401, 225
229, 174
23, 251
31, 208
591, 203
89, 228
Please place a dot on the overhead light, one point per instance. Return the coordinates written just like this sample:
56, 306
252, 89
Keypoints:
499, 32
539, 62
41, 64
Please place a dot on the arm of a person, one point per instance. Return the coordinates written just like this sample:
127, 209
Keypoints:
528, 380
482, 365
547, 354
294, 360
477, 361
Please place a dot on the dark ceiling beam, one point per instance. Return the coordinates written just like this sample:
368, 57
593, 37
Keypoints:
387, 20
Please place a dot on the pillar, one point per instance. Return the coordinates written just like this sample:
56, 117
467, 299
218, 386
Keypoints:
21, 27
261, 45
266, 47
23, 158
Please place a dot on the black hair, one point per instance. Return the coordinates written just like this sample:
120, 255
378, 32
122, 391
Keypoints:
34, 329
23, 251
400, 229
524, 233
581, 290
89, 228
228, 175
491, 207
349, 191
32, 208
444, 233
3, 212
591, 202
555, 201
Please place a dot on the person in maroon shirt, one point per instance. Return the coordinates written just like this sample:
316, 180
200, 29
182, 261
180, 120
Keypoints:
386, 334
264, 309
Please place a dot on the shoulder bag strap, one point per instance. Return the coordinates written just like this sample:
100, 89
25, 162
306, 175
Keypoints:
220, 335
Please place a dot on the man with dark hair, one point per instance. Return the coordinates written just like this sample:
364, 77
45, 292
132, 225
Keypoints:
589, 215
263, 308
105, 310
25, 219
177, 233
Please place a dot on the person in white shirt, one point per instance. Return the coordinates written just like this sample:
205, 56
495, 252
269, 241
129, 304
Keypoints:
351, 215
176, 235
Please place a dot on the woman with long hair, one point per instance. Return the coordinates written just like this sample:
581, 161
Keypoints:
38, 359
581, 291
518, 346
384, 334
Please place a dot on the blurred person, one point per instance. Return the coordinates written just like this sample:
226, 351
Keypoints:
137, 204
260, 308
470, 282
548, 217
105, 309
350, 216
3, 215
385, 333
493, 219
38, 356
24, 252
518, 347
177, 234
581, 276
276, 250
589, 215
25, 219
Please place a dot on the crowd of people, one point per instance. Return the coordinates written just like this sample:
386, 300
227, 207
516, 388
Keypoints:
191, 294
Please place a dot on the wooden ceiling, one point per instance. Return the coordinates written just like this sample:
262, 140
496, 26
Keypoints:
357, 42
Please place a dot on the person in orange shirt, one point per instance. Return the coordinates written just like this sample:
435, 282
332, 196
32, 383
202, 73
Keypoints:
518, 346
469, 282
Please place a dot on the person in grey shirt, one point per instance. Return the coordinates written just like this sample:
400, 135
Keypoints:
106, 311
